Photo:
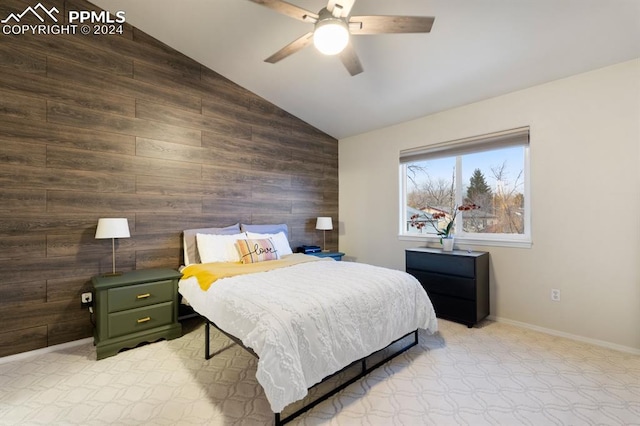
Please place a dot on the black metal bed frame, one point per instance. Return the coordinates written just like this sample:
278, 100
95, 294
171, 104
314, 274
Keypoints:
362, 361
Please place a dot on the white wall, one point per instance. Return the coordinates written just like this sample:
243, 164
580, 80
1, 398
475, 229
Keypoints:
585, 192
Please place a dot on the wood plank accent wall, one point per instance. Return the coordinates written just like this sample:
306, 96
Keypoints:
125, 126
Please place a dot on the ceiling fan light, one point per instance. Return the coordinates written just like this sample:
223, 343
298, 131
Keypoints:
331, 36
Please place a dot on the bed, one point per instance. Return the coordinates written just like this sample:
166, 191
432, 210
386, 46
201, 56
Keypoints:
304, 317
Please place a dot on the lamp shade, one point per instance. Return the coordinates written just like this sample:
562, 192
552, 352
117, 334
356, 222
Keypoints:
324, 223
112, 228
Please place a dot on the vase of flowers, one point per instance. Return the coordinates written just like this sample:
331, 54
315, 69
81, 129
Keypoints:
445, 233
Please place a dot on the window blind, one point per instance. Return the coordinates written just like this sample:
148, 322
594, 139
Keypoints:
504, 139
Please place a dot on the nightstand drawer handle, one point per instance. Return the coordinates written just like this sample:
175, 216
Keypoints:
143, 296
145, 319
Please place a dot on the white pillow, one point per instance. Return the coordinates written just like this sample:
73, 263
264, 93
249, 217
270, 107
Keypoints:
190, 245
218, 248
279, 241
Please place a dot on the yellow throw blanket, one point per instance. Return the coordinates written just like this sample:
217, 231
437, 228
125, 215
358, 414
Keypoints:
208, 273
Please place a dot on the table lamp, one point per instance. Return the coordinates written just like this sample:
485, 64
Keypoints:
113, 228
324, 224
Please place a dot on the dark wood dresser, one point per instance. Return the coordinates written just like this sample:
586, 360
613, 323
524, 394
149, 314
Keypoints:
457, 282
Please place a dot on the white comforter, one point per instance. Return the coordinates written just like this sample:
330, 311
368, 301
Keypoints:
308, 321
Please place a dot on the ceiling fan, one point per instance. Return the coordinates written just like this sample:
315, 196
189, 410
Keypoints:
333, 26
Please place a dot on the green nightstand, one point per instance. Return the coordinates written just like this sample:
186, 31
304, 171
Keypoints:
334, 254
135, 307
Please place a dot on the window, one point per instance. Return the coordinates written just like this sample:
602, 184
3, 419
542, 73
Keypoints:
489, 171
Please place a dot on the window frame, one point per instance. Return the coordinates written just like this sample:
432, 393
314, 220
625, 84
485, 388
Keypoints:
456, 149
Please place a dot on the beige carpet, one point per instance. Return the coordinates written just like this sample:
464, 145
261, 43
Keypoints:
497, 374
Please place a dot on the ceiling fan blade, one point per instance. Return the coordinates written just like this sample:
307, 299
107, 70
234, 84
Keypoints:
390, 24
289, 10
291, 48
350, 60
340, 8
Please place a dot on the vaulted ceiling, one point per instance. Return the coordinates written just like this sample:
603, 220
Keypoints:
476, 50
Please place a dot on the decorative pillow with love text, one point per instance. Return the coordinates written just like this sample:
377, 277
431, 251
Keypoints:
252, 251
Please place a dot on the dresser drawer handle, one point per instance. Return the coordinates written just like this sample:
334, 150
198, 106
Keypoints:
143, 296
145, 319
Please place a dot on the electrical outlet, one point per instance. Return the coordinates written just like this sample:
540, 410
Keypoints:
86, 299
555, 294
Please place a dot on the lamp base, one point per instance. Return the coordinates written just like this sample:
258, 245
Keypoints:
112, 274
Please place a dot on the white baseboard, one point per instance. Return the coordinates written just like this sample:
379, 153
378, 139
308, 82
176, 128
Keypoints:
54, 348
552, 332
